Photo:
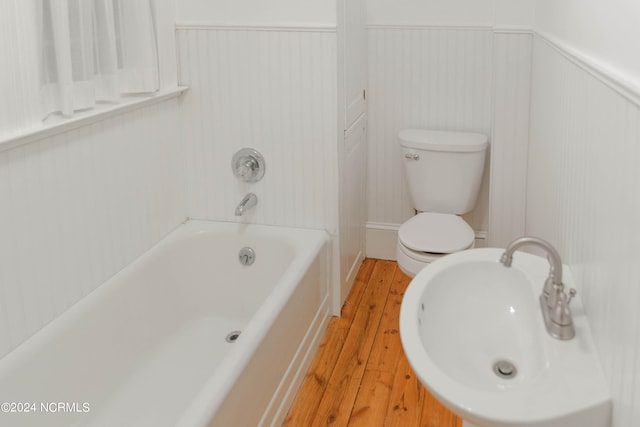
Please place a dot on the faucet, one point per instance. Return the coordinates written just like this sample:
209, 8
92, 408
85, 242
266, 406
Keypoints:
247, 202
554, 302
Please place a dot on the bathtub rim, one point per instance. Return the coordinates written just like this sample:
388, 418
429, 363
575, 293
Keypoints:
76, 310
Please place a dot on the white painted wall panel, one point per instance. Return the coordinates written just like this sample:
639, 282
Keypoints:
584, 197
252, 12
430, 12
603, 31
353, 47
422, 78
272, 90
518, 13
512, 88
352, 204
451, 12
77, 207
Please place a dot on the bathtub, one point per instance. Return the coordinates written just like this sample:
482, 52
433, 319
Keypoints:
149, 347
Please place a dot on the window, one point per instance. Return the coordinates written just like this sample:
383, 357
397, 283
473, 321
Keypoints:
68, 55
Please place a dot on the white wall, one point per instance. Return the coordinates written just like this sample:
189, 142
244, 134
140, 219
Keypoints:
258, 12
514, 13
78, 207
432, 12
273, 90
510, 136
606, 32
450, 12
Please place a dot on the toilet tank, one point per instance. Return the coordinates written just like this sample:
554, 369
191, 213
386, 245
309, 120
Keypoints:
443, 169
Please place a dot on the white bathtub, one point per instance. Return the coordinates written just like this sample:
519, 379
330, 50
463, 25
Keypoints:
148, 347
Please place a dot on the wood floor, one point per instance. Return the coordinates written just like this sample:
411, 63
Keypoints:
360, 376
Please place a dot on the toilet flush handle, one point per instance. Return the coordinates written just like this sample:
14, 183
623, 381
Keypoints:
412, 156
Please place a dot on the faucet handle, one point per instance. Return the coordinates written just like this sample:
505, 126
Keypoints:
246, 169
560, 312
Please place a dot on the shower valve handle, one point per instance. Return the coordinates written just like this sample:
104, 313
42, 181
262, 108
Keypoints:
248, 165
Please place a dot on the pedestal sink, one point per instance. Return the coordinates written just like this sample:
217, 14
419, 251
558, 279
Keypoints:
473, 332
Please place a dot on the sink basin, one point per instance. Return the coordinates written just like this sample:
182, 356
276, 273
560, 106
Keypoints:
473, 332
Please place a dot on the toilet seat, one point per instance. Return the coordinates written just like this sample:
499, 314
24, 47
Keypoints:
441, 233
419, 257
435, 233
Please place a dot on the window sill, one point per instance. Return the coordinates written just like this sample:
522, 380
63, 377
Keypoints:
54, 125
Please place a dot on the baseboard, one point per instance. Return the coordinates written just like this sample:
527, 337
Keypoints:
381, 240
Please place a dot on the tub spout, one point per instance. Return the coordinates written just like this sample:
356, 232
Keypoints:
249, 201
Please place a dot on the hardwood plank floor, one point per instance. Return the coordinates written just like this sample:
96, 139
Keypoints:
360, 375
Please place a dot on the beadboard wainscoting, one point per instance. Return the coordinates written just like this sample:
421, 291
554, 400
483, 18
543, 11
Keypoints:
472, 79
79, 206
273, 89
509, 143
433, 78
583, 195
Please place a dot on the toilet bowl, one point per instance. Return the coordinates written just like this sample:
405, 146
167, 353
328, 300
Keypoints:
428, 236
444, 171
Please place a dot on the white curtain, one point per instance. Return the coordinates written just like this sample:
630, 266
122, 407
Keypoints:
20, 107
96, 50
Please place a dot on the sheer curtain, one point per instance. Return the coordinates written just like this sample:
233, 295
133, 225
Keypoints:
96, 50
20, 107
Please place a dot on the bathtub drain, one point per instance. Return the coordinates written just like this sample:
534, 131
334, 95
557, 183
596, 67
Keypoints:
232, 336
246, 256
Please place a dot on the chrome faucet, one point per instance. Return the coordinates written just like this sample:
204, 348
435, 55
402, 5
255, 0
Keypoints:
247, 202
554, 302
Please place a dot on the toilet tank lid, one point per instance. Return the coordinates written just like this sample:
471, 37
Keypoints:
435, 140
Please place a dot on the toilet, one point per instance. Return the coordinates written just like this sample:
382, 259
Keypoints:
443, 171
